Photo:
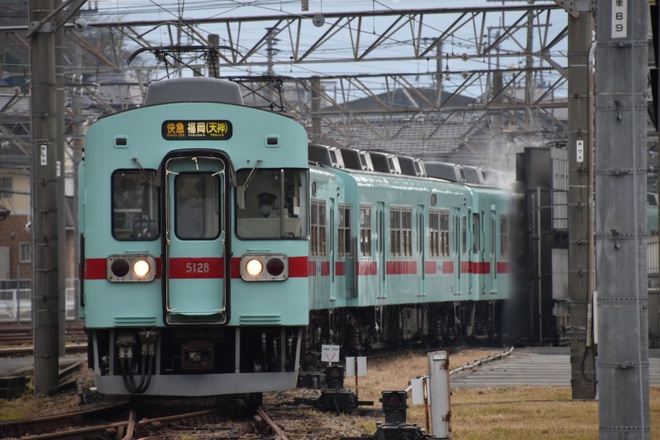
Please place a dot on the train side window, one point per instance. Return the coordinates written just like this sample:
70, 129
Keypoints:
504, 236
196, 203
476, 233
400, 232
493, 236
319, 229
434, 233
135, 205
439, 233
344, 231
444, 233
365, 230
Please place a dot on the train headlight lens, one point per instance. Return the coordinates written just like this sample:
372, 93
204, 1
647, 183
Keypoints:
254, 267
141, 268
131, 268
119, 268
276, 267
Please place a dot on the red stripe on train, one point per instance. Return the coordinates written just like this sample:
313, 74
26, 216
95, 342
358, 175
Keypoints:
95, 269
298, 267
475, 267
401, 267
195, 267
367, 268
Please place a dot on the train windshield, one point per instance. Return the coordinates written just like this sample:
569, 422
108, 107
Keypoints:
271, 203
134, 205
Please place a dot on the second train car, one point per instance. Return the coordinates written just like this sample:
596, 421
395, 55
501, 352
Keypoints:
400, 258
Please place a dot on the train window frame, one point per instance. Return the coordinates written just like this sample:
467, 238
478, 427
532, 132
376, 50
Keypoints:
504, 236
207, 199
401, 243
319, 227
439, 233
476, 233
138, 225
288, 191
344, 231
366, 228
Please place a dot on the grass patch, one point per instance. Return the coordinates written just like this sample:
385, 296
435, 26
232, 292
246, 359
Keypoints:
509, 413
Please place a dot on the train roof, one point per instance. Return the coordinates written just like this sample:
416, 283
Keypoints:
197, 89
445, 170
474, 175
325, 155
389, 163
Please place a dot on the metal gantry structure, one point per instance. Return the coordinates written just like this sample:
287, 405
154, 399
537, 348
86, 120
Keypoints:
462, 54
466, 53
507, 59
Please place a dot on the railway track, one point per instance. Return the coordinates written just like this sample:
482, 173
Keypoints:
13, 334
279, 418
122, 421
16, 340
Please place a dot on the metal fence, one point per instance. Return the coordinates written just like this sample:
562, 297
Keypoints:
16, 303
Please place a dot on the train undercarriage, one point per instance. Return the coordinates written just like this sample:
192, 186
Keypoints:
361, 330
195, 361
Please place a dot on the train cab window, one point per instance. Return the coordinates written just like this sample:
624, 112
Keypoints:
196, 199
271, 203
135, 205
400, 232
365, 231
344, 231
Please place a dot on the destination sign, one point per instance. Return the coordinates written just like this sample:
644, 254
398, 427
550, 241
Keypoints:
178, 130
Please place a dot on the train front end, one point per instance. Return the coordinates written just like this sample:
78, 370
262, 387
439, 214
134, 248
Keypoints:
188, 289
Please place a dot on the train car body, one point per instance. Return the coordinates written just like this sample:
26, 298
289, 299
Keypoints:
188, 288
413, 258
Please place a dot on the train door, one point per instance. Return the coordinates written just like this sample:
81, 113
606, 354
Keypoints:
332, 248
347, 251
493, 251
194, 248
476, 257
459, 248
380, 249
421, 248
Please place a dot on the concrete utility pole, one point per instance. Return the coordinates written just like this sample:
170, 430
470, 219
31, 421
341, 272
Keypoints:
620, 173
580, 196
315, 91
45, 264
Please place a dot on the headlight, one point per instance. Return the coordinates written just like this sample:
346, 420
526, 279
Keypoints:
141, 268
131, 268
254, 267
276, 267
